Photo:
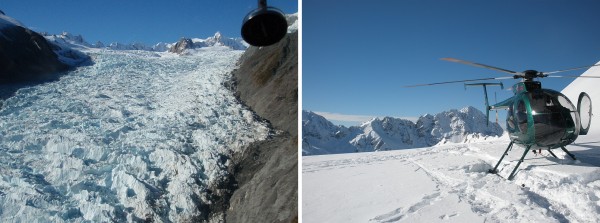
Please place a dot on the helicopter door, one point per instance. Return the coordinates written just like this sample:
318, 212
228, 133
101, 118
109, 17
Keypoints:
584, 108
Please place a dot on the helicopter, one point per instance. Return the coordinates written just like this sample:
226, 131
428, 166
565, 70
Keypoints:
537, 118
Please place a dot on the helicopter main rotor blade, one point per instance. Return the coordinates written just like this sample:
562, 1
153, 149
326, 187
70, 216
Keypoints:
572, 76
577, 68
449, 82
479, 65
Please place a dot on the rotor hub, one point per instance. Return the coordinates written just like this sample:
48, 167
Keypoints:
530, 74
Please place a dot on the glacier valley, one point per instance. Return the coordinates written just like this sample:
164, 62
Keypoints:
137, 135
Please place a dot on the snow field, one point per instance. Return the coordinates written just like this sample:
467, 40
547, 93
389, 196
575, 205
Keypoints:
137, 135
450, 183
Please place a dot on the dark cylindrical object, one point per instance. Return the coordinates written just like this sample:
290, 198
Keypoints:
264, 26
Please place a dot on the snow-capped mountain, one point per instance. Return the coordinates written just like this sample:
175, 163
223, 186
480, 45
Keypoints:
455, 126
131, 46
66, 38
68, 46
162, 47
77, 41
292, 20
217, 40
185, 43
320, 136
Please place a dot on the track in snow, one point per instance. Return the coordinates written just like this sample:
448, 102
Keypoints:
137, 135
449, 184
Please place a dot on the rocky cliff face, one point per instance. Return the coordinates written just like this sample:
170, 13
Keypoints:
25, 55
182, 45
267, 171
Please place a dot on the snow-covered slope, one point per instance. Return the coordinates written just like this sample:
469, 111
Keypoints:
450, 183
68, 47
455, 126
136, 136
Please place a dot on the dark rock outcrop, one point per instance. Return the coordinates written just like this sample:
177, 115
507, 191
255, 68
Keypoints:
182, 45
26, 56
267, 171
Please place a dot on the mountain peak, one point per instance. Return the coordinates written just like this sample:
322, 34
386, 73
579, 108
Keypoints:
217, 35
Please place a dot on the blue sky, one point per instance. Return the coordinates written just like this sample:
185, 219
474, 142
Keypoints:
358, 54
145, 21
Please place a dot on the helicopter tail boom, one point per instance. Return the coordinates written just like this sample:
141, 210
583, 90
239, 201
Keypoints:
487, 105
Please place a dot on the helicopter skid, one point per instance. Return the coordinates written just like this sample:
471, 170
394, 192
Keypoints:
514, 171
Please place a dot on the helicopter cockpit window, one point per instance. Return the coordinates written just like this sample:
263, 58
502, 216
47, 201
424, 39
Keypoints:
567, 105
510, 119
552, 113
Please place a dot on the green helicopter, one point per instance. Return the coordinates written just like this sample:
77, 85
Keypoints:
537, 118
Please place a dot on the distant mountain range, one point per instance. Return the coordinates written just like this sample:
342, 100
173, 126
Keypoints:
218, 39
26, 55
454, 126
185, 43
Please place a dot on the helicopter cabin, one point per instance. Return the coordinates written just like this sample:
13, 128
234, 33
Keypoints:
542, 118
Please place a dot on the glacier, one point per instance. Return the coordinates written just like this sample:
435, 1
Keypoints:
138, 135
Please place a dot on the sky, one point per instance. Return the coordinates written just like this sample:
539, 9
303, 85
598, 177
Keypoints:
143, 21
358, 55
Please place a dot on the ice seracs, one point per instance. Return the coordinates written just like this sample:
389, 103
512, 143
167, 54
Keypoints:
132, 137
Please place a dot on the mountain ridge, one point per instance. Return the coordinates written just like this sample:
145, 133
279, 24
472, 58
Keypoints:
453, 126
77, 41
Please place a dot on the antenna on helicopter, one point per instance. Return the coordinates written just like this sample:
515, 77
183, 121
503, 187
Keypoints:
496, 102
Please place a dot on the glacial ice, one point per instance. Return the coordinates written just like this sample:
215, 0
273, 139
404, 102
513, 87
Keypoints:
136, 135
